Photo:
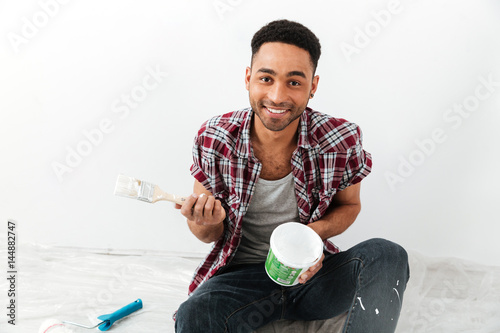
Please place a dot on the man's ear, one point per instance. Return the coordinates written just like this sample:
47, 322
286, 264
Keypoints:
314, 85
248, 73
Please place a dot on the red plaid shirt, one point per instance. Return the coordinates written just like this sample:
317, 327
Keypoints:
329, 158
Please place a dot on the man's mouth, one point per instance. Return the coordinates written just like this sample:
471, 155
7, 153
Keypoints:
276, 111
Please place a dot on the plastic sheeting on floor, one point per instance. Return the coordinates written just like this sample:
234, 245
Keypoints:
443, 295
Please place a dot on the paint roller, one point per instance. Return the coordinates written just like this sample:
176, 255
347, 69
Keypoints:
57, 326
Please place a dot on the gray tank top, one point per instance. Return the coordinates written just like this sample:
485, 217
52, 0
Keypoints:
272, 204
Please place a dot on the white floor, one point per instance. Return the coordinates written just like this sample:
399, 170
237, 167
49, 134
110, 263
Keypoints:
444, 295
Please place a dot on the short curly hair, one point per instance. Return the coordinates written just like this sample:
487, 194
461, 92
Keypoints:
288, 32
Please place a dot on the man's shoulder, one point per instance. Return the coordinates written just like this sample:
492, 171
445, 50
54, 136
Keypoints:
221, 133
332, 134
227, 122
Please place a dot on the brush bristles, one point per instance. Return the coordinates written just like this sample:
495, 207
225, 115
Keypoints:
135, 189
146, 192
127, 187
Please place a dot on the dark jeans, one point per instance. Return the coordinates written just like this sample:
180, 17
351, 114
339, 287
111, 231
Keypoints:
366, 281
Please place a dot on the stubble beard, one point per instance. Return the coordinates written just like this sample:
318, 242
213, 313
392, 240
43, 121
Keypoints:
276, 125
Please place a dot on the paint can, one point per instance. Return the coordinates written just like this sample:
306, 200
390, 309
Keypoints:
294, 247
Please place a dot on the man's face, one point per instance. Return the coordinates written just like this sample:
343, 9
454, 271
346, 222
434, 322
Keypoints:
280, 84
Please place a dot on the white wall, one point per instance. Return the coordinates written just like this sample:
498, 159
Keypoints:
72, 73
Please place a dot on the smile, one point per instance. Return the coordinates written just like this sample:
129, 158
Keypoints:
276, 111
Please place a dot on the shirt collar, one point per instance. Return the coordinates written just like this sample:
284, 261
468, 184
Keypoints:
304, 130
244, 147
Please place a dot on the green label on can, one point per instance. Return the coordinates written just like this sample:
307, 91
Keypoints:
279, 272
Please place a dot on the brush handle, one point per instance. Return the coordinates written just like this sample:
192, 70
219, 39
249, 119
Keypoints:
161, 195
109, 319
177, 199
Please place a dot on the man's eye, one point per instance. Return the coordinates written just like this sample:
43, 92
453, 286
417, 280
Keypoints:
295, 83
265, 79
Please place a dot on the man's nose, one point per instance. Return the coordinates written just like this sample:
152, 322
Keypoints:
278, 93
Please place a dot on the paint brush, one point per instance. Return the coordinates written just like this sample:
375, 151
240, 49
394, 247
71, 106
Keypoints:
137, 189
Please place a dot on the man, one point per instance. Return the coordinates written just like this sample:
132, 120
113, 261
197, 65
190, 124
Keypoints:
276, 162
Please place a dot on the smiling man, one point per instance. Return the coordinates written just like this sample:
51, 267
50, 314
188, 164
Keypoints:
275, 162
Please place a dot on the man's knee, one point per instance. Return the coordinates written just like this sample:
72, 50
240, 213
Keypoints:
386, 254
379, 247
183, 316
194, 315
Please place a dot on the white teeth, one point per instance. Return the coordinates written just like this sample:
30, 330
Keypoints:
276, 111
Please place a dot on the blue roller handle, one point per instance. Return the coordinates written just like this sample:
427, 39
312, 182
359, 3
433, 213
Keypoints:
109, 319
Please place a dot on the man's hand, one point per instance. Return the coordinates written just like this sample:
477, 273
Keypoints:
307, 275
203, 209
205, 215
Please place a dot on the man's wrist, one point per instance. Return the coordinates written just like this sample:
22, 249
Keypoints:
317, 227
